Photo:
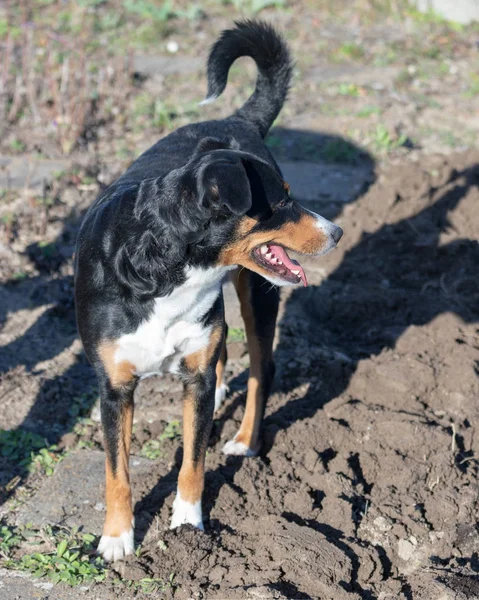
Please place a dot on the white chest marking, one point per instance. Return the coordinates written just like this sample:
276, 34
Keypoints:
172, 331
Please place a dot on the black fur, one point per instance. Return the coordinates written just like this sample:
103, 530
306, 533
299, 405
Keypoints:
177, 207
262, 43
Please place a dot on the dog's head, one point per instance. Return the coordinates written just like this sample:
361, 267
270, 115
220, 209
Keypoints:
248, 216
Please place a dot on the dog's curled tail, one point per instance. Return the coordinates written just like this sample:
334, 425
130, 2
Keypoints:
267, 48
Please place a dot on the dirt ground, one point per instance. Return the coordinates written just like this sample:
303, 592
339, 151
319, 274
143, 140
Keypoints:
367, 482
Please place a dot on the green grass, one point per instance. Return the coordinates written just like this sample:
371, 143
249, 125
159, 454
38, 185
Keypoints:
153, 449
29, 451
349, 89
20, 445
349, 51
449, 139
69, 557
473, 88
236, 335
9, 539
66, 556
149, 585
150, 11
17, 146
338, 150
66, 565
431, 17
384, 142
255, 6
368, 111
150, 111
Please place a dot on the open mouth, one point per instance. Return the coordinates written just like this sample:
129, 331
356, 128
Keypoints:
274, 259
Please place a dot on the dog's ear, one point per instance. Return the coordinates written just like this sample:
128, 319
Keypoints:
224, 183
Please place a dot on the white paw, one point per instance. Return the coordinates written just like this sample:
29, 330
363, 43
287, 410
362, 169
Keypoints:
234, 448
114, 548
220, 395
185, 513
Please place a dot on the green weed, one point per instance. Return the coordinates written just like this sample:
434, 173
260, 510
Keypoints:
9, 538
473, 88
147, 10
236, 335
338, 150
19, 276
29, 451
18, 445
46, 460
7, 28
8, 219
383, 140
152, 449
449, 139
69, 561
431, 17
368, 111
348, 51
255, 6
348, 89
48, 249
149, 585
68, 564
17, 146
386, 57
148, 111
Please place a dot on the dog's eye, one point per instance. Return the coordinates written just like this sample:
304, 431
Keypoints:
283, 203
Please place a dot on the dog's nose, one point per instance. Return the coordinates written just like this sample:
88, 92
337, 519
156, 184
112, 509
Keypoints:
337, 234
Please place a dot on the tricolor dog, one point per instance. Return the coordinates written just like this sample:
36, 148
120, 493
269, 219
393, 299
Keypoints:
205, 202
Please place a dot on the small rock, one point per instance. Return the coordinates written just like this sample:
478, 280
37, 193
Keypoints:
405, 550
382, 524
172, 46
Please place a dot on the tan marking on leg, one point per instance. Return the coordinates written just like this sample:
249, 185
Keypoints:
248, 433
119, 513
120, 373
191, 477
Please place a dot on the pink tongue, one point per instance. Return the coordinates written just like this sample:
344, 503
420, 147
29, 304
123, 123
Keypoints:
280, 253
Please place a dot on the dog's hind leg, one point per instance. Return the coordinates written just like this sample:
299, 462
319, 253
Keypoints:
199, 379
117, 384
259, 308
221, 387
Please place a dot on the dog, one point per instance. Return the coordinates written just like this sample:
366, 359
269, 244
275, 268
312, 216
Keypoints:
205, 202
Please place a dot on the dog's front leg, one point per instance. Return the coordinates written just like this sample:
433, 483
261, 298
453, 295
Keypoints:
117, 419
199, 400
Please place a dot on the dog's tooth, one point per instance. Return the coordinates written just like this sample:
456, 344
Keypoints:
295, 272
268, 256
280, 262
264, 249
